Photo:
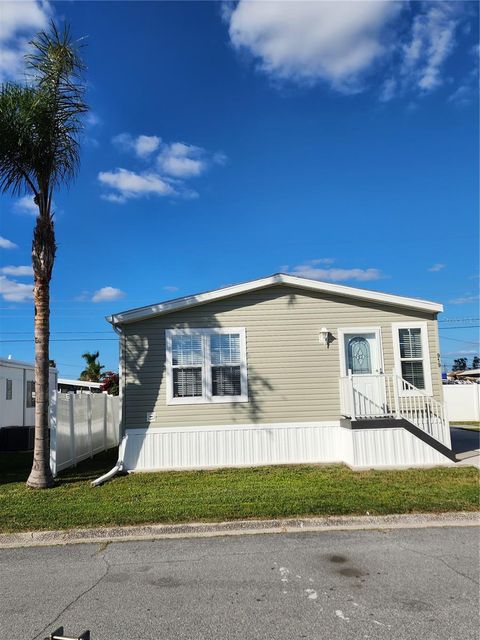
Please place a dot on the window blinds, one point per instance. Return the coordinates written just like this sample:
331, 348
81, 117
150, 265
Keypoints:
206, 364
410, 343
411, 356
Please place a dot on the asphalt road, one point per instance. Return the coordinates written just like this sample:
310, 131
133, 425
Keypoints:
464, 439
416, 584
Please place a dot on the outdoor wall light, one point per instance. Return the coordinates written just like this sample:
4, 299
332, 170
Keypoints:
324, 336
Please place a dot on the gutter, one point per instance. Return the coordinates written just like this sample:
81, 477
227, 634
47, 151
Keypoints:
120, 465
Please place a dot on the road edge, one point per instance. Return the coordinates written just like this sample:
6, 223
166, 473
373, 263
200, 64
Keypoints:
237, 528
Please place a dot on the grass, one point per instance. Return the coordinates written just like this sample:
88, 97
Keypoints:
262, 492
471, 425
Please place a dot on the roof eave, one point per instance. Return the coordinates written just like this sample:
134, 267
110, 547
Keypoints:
187, 302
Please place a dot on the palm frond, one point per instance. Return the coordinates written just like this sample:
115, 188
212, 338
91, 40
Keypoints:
40, 123
17, 151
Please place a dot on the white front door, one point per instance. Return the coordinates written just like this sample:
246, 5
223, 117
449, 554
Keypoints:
363, 361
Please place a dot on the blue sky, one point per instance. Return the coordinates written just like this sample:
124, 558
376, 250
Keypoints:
230, 141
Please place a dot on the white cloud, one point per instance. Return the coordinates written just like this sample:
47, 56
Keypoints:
25, 204
389, 89
128, 184
462, 352
341, 43
437, 267
220, 158
107, 294
7, 244
310, 269
22, 16
92, 122
143, 146
463, 95
311, 41
14, 291
467, 299
113, 197
182, 160
467, 91
82, 297
91, 142
431, 42
92, 119
18, 22
10, 270
322, 261
168, 169
170, 288
285, 268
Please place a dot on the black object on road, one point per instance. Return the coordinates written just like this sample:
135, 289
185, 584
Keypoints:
59, 635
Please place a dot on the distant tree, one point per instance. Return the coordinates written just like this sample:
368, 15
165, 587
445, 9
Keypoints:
110, 383
93, 370
476, 362
460, 364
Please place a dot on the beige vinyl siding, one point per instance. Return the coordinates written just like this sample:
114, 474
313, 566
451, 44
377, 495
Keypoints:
291, 376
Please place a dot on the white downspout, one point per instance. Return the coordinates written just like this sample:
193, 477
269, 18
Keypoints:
119, 466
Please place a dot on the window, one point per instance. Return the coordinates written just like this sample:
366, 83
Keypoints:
358, 351
30, 399
206, 365
8, 389
226, 364
187, 365
411, 355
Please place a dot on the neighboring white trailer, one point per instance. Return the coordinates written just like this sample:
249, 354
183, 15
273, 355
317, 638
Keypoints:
17, 393
65, 385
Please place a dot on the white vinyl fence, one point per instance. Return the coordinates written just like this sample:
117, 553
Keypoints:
463, 401
81, 425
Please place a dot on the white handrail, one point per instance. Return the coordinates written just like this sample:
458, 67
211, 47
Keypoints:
397, 398
423, 411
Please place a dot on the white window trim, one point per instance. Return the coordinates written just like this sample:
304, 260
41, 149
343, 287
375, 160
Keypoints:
207, 397
427, 371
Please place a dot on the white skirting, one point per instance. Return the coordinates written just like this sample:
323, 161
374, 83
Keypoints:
157, 448
394, 447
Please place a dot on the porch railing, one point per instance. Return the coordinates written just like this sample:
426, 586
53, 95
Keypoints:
390, 396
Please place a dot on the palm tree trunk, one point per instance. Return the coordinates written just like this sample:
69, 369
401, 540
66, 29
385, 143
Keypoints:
43, 255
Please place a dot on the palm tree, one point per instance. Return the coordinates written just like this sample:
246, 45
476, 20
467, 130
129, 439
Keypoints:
93, 370
40, 122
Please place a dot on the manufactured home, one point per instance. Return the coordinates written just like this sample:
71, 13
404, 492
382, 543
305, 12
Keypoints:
281, 370
17, 402
66, 385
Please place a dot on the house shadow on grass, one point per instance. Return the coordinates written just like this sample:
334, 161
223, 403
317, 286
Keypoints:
15, 467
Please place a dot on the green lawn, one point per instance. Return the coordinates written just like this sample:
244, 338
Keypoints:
470, 425
262, 492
